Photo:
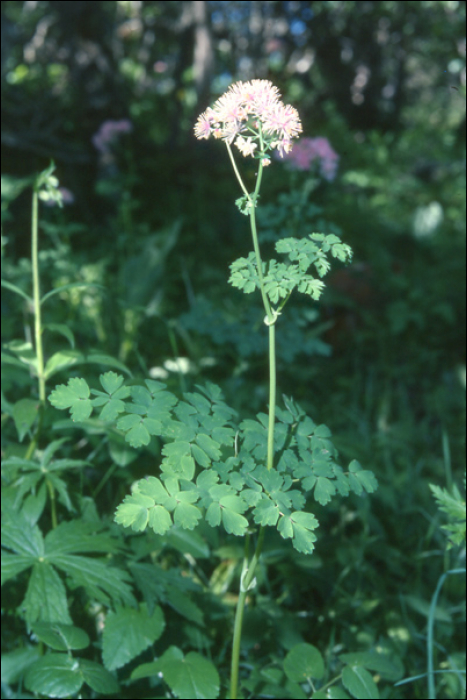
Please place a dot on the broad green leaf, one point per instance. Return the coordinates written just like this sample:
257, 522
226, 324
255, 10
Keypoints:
60, 637
192, 677
55, 676
159, 520
25, 412
111, 410
45, 599
200, 456
138, 435
22, 537
361, 479
213, 514
187, 515
15, 663
174, 451
322, 431
209, 446
266, 512
63, 330
234, 523
128, 632
224, 436
111, 382
68, 358
182, 604
98, 678
50, 450
13, 361
79, 536
188, 542
17, 290
72, 285
336, 692
74, 396
212, 391
106, 583
388, 666
141, 395
139, 509
300, 526
154, 386
63, 360
324, 490
137, 409
285, 527
133, 512
154, 668
441, 614
359, 683
13, 564
153, 487
202, 405
304, 661
187, 464
128, 422
244, 274
231, 509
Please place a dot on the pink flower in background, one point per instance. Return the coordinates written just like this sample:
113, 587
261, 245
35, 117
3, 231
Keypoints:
108, 132
67, 197
306, 151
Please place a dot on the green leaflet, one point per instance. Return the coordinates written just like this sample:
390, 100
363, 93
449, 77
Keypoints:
281, 278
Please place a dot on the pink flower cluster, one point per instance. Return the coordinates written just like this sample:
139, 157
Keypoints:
307, 150
108, 132
253, 108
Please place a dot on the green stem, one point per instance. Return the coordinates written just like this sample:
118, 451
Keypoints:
272, 394
53, 503
259, 265
234, 165
248, 573
36, 294
248, 570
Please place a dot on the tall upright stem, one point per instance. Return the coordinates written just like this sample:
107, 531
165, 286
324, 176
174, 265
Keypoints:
272, 394
249, 568
36, 294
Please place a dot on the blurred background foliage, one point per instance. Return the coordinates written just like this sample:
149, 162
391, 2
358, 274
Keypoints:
111, 91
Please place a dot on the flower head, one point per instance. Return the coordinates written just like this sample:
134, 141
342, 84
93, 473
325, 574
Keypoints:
253, 108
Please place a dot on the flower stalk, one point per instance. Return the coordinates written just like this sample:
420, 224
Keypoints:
255, 110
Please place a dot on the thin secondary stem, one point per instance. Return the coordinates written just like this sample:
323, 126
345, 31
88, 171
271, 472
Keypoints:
248, 573
36, 294
232, 160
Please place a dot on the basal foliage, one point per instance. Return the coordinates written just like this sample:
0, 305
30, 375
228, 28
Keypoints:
214, 466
